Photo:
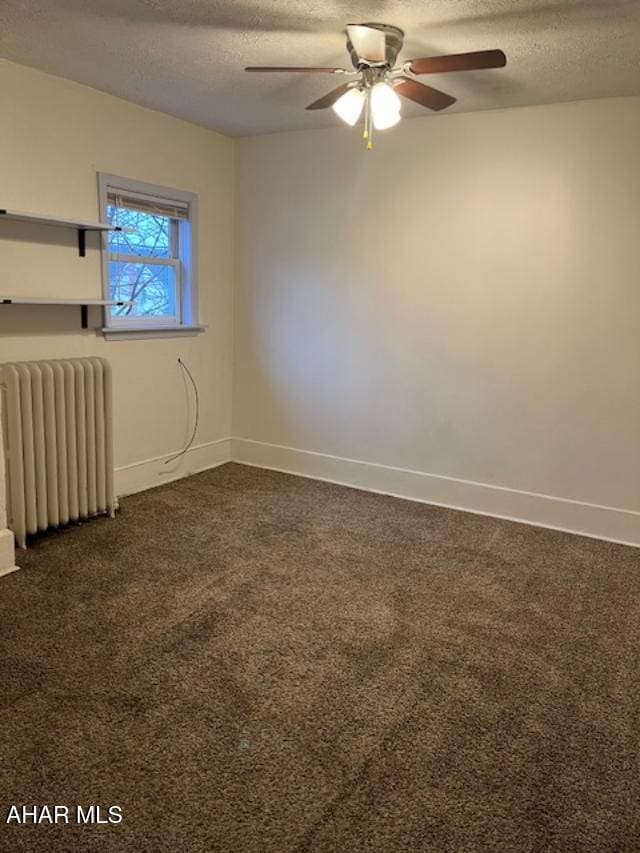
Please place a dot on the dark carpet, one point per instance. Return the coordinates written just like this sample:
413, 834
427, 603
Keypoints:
249, 661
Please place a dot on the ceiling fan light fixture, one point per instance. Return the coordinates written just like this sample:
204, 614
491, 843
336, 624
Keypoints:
377, 77
349, 106
385, 106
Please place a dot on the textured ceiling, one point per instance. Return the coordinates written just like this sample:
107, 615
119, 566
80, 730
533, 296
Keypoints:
186, 57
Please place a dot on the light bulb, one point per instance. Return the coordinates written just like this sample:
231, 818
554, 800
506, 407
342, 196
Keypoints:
349, 106
385, 106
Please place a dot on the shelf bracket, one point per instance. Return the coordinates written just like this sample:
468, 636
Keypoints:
84, 316
82, 248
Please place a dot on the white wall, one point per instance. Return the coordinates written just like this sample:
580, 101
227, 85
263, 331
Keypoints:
462, 302
452, 317
56, 135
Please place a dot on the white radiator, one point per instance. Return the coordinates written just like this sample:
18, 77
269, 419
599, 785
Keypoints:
58, 442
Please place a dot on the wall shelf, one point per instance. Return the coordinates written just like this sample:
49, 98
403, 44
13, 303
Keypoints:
50, 300
59, 222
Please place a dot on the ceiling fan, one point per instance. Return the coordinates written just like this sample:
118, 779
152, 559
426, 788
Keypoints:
377, 80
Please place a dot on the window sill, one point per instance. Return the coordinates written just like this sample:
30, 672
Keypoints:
115, 333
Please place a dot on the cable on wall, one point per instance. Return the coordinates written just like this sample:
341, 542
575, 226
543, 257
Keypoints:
197, 420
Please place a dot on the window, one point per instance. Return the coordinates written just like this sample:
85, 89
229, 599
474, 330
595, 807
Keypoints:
149, 264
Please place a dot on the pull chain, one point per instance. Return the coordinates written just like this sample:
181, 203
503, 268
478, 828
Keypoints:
368, 122
365, 132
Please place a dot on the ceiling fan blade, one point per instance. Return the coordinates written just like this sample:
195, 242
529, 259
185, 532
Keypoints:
476, 60
369, 44
434, 99
295, 68
330, 98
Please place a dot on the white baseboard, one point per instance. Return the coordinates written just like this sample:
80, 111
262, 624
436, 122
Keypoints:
8, 570
584, 519
7, 553
154, 472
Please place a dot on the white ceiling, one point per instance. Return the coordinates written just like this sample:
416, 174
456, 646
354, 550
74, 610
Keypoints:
186, 57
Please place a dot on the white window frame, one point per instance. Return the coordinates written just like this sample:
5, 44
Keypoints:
185, 264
